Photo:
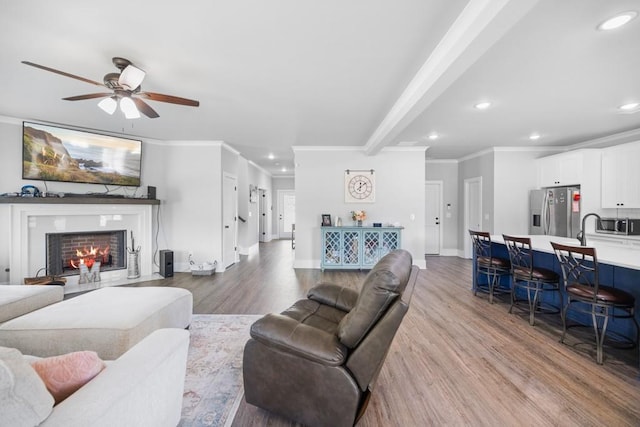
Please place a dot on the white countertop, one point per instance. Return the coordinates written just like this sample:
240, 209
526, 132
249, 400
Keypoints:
620, 255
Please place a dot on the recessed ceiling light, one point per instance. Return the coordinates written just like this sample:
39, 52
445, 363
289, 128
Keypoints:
534, 136
617, 21
433, 136
284, 169
271, 156
482, 105
629, 107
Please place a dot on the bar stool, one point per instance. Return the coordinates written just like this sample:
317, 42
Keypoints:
534, 280
492, 267
582, 285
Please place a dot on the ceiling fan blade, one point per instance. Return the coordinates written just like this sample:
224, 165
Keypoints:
169, 98
62, 73
145, 108
87, 96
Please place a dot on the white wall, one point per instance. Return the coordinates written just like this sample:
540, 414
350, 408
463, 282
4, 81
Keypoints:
400, 174
191, 213
514, 176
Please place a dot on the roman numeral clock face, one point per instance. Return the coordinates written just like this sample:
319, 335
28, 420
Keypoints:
359, 187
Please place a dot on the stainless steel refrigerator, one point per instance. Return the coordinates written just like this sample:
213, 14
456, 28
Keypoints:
555, 211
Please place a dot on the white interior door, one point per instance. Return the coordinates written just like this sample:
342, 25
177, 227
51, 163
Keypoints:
286, 213
229, 220
264, 234
472, 211
433, 214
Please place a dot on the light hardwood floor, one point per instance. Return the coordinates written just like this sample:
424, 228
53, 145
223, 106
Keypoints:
456, 359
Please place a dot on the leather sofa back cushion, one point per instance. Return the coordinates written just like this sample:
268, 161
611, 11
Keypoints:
384, 283
24, 400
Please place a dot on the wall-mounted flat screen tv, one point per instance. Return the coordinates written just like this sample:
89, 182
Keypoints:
53, 153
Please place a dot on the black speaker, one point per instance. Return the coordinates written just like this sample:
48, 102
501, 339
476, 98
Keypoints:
166, 263
151, 192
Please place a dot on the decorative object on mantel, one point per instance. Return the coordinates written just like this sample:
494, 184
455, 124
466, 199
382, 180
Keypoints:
326, 220
359, 186
358, 216
133, 266
89, 275
47, 279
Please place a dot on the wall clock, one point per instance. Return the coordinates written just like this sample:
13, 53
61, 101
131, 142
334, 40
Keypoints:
359, 186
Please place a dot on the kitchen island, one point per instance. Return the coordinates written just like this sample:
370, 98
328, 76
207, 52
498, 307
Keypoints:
619, 267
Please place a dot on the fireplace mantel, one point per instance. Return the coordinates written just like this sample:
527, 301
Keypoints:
31, 218
81, 200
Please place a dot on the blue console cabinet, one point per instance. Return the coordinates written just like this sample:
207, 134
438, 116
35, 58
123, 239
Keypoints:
357, 247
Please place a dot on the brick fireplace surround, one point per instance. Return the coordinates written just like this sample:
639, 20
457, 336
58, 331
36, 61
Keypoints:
31, 220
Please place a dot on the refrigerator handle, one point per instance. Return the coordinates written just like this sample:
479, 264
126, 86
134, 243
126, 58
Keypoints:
546, 214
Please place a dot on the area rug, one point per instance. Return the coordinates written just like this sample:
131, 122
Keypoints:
213, 385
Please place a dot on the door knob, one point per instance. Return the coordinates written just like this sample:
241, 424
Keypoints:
226, 226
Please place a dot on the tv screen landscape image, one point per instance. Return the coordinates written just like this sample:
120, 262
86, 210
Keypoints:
52, 153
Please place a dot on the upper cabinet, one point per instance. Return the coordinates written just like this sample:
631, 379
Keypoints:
577, 167
561, 169
620, 176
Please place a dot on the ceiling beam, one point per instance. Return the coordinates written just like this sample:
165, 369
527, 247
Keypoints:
477, 28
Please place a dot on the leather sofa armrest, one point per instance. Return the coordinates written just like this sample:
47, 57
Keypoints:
332, 295
289, 335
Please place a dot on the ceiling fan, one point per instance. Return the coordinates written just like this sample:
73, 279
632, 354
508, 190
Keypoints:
126, 90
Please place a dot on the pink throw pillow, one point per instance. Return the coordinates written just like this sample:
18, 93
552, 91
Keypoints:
65, 374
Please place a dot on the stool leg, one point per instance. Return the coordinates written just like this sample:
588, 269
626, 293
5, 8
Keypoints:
533, 304
492, 285
513, 294
563, 316
600, 332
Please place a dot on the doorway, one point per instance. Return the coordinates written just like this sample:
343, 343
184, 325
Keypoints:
472, 211
433, 215
229, 220
286, 213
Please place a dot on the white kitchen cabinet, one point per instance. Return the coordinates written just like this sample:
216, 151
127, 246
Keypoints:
560, 169
620, 177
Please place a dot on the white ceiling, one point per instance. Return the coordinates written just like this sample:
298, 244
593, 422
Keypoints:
273, 74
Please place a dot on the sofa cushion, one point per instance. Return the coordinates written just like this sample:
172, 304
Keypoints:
24, 398
108, 321
65, 374
384, 283
16, 300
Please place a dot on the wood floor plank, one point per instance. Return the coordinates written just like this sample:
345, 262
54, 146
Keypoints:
456, 360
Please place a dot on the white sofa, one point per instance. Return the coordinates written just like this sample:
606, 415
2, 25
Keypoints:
143, 387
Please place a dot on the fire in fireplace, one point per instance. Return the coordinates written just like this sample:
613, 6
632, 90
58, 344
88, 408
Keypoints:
68, 252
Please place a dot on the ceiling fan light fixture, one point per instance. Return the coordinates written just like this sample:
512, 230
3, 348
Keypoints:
108, 105
617, 21
131, 77
128, 107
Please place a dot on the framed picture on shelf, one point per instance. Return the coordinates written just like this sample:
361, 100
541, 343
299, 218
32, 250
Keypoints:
326, 220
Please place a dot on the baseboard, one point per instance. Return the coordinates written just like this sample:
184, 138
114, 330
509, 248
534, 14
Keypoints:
251, 250
307, 263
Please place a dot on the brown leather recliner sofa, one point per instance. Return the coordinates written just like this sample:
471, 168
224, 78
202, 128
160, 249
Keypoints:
317, 361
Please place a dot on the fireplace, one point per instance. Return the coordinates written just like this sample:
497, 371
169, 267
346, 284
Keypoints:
68, 253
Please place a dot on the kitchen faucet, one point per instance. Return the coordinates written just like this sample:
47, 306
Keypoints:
582, 236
